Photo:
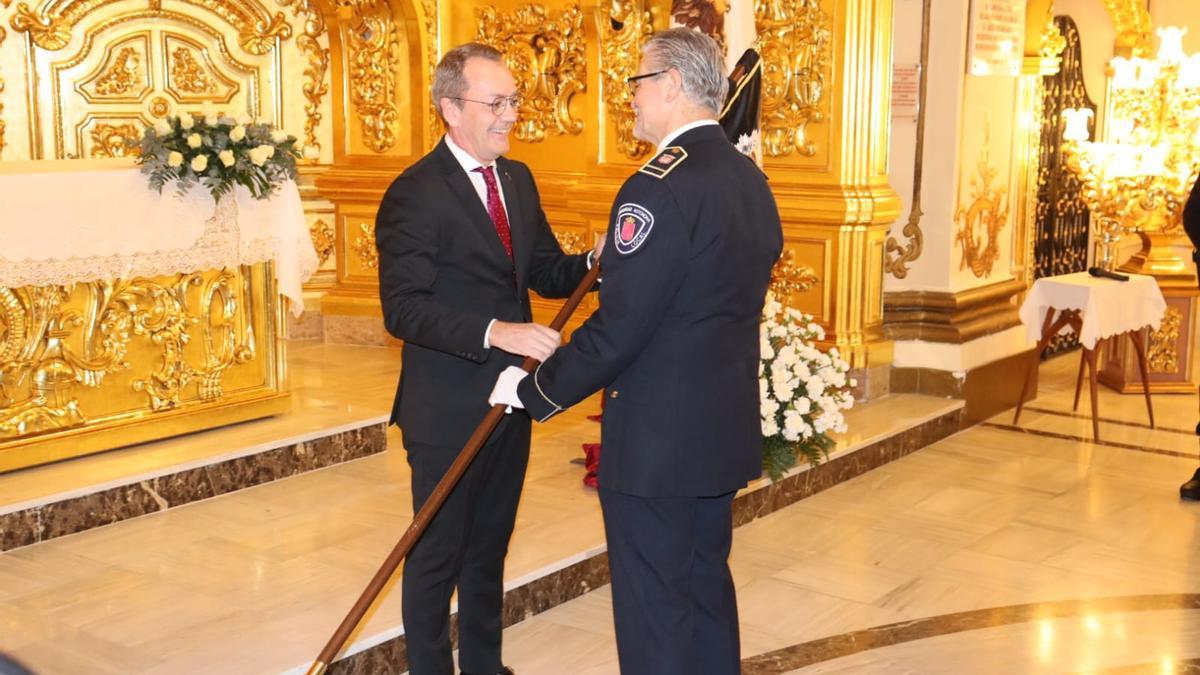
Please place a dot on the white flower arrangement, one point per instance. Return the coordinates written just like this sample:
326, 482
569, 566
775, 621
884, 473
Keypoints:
219, 152
803, 390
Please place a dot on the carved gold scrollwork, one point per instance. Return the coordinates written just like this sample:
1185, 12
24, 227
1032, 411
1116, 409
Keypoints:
984, 217
788, 278
1162, 354
188, 75
794, 42
111, 140
1053, 41
571, 242
315, 87
546, 56
896, 256
364, 246
624, 27
432, 32
706, 16
47, 351
1132, 21
122, 76
47, 33
260, 37
51, 30
374, 59
323, 240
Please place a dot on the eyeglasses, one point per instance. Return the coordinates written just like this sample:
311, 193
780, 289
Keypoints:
498, 106
632, 82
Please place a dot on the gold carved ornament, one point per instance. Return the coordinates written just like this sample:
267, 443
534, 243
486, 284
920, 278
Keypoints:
1132, 21
51, 30
432, 38
122, 76
983, 217
113, 140
546, 56
1162, 354
794, 42
897, 257
571, 243
788, 278
47, 350
374, 60
315, 87
323, 240
624, 28
188, 75
364, 246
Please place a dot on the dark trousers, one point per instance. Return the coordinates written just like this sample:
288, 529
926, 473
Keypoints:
463, 548
673, 598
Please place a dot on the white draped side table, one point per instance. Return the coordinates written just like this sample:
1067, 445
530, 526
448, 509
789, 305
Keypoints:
1097, 309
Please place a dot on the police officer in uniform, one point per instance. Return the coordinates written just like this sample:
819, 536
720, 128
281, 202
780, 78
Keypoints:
1191, 223
675, 343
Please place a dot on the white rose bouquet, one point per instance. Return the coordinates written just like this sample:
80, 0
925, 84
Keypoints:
218, 152
803, 390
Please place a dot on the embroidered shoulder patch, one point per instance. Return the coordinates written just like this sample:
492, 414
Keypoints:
632, 227
664, 162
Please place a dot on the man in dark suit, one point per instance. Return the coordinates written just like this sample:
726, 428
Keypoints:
693, 236
462, 238
1191, 224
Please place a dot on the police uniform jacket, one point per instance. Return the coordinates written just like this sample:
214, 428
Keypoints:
444, 275
691, 243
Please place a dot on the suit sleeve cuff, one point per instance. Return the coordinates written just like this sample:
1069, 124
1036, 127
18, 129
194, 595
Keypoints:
539, 406
487, 335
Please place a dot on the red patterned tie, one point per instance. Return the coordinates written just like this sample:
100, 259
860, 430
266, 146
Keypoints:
496, 208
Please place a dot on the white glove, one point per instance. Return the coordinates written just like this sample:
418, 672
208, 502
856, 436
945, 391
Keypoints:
505, 390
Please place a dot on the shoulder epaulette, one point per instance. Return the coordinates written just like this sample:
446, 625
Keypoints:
664, 162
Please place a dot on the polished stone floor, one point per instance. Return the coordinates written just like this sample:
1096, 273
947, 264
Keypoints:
998, 550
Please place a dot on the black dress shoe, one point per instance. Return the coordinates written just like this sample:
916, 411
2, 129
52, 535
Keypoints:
1191, 489
504, 670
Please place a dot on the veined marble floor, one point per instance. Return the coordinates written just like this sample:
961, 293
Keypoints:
255, 581
997, 550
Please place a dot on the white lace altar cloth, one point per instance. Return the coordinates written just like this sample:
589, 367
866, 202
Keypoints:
63, 222
1108, 307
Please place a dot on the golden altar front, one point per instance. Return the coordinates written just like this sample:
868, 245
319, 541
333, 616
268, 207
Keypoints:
110, 359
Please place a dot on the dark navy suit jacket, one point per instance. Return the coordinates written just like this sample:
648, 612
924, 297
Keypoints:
444, 275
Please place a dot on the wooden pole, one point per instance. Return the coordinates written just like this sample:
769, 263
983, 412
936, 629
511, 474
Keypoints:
439, 495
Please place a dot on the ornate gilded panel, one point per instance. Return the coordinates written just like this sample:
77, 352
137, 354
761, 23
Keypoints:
160, 341
123, 76
1162, 354
1132, 21
191, 75
706, 16
3, 35
546, 56
317, 65
374, 57
794, 38
624, 28
109, 139
185, 62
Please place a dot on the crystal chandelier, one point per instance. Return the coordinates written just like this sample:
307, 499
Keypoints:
1139, 180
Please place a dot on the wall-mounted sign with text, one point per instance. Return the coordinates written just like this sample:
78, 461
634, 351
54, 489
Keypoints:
997, 37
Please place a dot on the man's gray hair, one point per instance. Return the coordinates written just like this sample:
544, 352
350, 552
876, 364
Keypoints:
698, 59
448, 80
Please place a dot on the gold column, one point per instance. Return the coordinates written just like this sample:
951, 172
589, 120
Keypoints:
827, 85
